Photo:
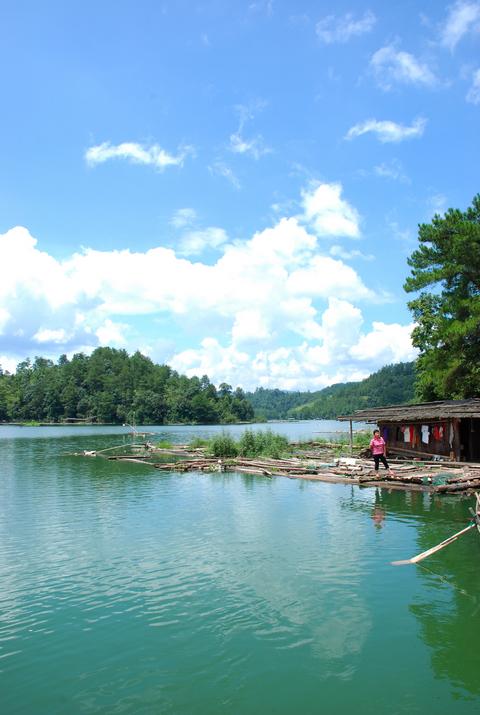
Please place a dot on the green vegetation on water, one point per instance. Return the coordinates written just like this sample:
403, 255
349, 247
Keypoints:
249, 444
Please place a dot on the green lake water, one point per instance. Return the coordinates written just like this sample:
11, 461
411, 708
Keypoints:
124, 589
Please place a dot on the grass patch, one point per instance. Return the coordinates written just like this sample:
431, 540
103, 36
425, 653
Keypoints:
164, 444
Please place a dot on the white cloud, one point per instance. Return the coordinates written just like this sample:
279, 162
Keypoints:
112, 334
388, 131
325, 276
462, 18
249, 325
329, 214
269, 290
344, 353
473, 95
152, 155
195, 242
46, 335
390, 66
385, 343
9, 363
183, 217
253, 146
219, 168
341, 29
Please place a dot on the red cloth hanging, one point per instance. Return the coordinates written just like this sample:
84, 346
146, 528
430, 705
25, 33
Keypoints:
412, 435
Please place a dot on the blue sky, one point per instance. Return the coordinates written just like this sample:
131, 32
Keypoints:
230, 187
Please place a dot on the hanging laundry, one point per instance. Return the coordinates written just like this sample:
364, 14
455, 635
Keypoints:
436, 433
440, 432
385, 434
425, 434
406, 434
412, 435
451, 435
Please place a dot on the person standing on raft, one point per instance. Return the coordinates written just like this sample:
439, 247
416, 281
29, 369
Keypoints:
379, 448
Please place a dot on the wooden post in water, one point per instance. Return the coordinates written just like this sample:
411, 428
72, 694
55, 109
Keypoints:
351, 437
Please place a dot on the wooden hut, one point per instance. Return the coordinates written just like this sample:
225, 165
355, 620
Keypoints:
447, 428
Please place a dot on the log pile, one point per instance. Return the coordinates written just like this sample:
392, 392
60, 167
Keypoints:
467, 479
454, 479
435, 477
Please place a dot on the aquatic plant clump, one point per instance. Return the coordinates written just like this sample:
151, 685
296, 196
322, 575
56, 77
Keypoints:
263, 443
222, 445
250, 444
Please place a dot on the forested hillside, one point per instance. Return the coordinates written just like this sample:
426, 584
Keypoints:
392, 384
111, 386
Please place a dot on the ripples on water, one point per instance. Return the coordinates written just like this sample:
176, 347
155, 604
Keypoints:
126, 590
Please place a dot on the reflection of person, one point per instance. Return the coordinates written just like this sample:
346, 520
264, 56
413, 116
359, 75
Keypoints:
378, 516
378, 447
378, 513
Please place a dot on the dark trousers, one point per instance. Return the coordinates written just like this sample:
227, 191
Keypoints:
380, 458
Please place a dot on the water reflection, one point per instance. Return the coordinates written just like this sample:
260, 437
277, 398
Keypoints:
126, 580
448, 611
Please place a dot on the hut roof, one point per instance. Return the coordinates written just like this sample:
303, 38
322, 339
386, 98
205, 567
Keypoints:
443, 409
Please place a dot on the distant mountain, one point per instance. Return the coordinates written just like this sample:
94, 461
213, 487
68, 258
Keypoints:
391, 385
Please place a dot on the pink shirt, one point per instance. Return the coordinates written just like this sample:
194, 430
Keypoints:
377, 445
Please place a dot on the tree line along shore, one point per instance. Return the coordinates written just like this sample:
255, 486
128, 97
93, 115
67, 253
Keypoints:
111, 387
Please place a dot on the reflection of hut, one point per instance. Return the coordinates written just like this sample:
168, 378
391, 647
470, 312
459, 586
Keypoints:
448, 428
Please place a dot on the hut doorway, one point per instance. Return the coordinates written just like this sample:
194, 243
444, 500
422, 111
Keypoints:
470, 439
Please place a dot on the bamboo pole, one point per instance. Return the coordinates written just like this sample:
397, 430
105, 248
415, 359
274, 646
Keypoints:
434, 549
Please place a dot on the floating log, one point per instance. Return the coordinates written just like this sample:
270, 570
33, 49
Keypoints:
458, 487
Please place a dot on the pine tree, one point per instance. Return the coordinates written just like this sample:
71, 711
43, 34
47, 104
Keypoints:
447, 319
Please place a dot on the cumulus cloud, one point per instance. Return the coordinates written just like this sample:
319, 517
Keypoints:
385, 343
345, 353
331, 28
112, 334
46, 335
152, 155
388, 131
462, 18
193, 243
329, 214
325, 276
473, 94
284, 313
391, 66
